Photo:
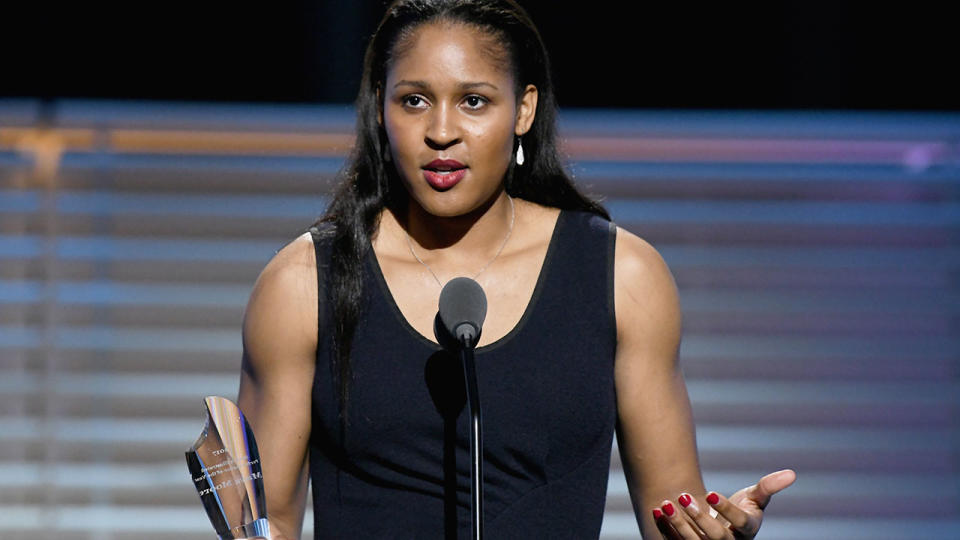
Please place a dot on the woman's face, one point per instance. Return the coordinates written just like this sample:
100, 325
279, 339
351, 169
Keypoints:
450, 113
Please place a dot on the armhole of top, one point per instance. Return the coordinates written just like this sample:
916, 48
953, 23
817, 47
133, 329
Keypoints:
321, 283
611, 283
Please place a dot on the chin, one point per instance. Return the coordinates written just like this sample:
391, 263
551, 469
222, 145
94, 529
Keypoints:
446, 209
448, 204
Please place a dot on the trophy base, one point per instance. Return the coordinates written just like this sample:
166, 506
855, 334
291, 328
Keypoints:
258, 528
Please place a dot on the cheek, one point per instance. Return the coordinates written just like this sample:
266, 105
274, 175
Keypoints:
496, 139
402, 136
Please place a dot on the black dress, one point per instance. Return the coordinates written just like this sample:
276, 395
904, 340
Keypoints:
401, 468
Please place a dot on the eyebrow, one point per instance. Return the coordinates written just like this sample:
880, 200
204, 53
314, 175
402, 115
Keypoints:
463, 85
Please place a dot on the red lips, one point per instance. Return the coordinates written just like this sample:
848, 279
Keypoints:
443, 174
444, 165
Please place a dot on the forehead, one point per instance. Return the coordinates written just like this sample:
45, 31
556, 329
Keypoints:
441, 52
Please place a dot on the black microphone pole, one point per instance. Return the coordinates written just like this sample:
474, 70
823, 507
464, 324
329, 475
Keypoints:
463, 306
476, 440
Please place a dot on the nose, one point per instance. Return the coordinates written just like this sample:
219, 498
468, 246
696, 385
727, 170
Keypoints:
443, 128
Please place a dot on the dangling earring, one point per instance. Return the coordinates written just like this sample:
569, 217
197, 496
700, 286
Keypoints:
386, 153
519, 151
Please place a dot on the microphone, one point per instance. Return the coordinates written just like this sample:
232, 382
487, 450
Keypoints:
463, 306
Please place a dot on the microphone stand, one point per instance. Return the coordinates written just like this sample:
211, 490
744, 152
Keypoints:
476, 438
462, 308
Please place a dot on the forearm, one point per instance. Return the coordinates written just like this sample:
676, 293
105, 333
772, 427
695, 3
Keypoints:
286, 515
658, 449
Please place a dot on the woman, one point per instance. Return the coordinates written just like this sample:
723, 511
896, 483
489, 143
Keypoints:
456, 173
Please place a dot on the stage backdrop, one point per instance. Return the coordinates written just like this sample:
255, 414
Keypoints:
816, 253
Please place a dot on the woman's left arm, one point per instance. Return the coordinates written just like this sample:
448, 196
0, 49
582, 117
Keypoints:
655, 431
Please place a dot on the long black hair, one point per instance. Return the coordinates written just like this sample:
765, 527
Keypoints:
370, 183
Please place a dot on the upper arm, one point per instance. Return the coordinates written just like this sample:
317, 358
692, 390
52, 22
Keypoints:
655, 426
279, 350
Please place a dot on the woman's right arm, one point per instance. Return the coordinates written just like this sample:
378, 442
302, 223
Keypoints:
279, 351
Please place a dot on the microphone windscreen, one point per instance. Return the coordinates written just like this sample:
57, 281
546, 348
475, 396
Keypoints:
462, 301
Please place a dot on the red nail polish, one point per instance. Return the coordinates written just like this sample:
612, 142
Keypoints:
685, 500
657, 514
668, 509
713, 498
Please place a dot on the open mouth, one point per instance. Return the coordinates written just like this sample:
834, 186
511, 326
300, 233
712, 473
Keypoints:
443, 174
444, 179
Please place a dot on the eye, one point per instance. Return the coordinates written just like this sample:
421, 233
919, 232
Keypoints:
475, 102
414, 101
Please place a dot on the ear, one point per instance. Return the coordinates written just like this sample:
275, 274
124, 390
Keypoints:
526, 110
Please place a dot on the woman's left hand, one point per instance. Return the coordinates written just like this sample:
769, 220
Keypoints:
738, 517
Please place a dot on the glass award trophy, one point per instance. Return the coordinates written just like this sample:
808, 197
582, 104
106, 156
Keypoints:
225, 467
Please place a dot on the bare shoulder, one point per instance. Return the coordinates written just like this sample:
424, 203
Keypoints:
281, 313
646, 300
290, 273
638, 263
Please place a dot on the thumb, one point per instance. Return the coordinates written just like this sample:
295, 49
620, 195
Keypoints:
770, 485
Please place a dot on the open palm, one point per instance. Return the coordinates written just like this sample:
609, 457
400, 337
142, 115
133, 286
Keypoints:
734, 518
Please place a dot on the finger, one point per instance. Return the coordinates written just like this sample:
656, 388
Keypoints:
679, 523
739, 520
769, 485
710, 526
663, 525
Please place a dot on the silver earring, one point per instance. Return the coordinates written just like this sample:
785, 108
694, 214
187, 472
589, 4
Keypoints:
386, 153
519, 152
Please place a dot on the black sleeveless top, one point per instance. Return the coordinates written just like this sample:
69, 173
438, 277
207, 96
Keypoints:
401, 469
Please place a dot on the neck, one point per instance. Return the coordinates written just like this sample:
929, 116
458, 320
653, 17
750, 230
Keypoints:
478, 232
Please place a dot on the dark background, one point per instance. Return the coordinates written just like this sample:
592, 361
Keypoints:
771, 55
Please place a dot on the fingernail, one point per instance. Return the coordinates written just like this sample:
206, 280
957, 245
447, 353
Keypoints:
685, 500
657, 514
713, 498
668, 510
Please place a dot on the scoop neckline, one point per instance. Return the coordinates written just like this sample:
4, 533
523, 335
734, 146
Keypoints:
517, 328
